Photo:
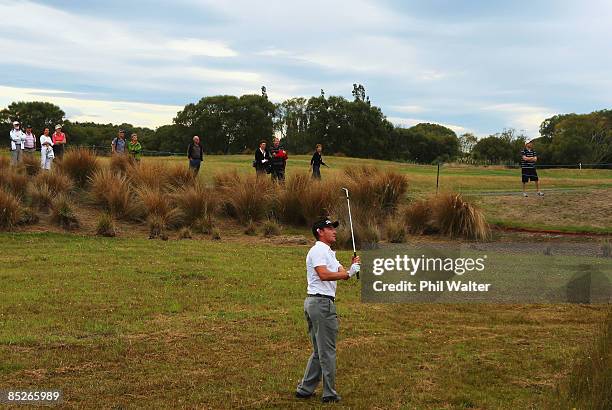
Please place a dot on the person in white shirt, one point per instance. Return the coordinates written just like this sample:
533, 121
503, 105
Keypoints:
323, 270
46, 150
17, 140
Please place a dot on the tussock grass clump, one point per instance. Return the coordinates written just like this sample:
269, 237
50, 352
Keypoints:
41, 195
215, 235
157, 202
80, 164
113, 192
195, 202
203, 225
5, 162
63, 213
121, 163
180, 176
418, 217
58, 182
270, 228
185, 233
249, 199
14, 182
28, 217
303, 200
10, 210
378, 190
250, 229
457, 218
105, 226
158, 226
31, 164
227, 179
152, 175
395, 231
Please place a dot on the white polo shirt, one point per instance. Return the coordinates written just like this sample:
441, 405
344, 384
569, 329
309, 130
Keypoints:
321, 255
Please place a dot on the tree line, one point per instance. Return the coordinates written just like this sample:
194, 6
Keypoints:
233, 125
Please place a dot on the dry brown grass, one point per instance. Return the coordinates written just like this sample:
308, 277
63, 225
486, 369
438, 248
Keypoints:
381, 191
417, 217
10, 210
194, 202
158, 207
121, 163
113, 192
57, 182
303, 200
41, 195
247, 198
63, 212
151, 175
30, 164
456, 218
80, 164
180, 176
13, 181
105, 226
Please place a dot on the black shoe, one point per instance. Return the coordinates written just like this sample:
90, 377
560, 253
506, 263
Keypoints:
303, 395
331, 399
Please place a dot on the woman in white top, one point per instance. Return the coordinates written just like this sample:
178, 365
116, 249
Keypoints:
46, 150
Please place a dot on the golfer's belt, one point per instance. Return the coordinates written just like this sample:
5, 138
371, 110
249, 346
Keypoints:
318, 295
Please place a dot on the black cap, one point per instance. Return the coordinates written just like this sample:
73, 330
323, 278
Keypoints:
323, 223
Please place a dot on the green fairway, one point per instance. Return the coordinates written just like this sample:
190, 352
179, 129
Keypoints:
422, 178
136, 323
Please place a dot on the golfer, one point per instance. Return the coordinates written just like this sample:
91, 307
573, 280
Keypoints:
316, 161
528, 167
322, 271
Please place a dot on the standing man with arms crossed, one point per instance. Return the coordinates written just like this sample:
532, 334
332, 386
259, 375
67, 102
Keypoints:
322, 271
17, 141
528, 167
59, 140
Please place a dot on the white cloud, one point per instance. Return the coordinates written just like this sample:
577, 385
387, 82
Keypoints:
525, 118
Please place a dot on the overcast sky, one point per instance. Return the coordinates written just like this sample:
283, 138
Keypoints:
477, 66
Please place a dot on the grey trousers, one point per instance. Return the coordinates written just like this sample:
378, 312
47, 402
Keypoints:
322, 328
16, 155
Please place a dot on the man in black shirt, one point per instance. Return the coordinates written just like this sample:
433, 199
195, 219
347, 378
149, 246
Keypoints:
195, 153
316, 162
528, 167
262, 159
278, 161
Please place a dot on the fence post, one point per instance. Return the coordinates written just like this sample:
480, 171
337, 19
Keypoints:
580, 165
438, 178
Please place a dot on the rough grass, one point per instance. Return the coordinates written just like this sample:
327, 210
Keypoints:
195, 201
31, 164
113, 193
57, 182
13, 181
247, 198
456, 218
105, 226
80, 164
175, 324
63, 212
10, 210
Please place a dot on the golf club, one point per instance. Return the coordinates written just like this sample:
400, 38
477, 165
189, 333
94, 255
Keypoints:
348, 203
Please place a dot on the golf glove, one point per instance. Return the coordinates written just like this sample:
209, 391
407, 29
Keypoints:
354, 269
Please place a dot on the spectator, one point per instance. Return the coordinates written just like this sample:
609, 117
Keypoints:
195, 153
59, 140
135, 148
317, 161
46, 150
278, 161
118, 144
29, 145
262, 159
528, 167
17, 141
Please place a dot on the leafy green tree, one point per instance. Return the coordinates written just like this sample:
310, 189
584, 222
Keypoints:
37, 114
467, 142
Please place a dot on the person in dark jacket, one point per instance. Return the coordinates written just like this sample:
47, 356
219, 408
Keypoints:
195, 153
278, 161
317, 161
262, 158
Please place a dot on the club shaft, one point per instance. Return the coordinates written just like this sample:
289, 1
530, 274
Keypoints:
348, 203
